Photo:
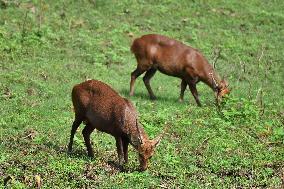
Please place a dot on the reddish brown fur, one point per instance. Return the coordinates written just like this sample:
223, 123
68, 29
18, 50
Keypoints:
156, 52
100, 107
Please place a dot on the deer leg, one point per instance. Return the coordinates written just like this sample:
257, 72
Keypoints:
194, 92
125, 143
75, 126
119, 148
136, 73
149, 74
183, 85
86, 134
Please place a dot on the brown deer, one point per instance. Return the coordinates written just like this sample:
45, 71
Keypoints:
100, 107
156, 52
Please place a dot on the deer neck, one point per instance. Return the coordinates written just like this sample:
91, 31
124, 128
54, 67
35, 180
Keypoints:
212, 80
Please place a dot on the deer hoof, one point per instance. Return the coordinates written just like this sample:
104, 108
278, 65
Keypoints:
181, 100
91, 155
153, 97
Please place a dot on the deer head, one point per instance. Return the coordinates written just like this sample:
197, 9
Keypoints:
146, 147
146, 151
221, 88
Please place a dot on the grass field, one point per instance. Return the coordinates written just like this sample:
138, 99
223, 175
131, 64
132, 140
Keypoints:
46, 47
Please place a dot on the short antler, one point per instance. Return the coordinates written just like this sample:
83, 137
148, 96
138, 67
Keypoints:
217, 53
214, 82
139, 133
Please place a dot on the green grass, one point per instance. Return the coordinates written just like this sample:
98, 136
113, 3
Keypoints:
242, 145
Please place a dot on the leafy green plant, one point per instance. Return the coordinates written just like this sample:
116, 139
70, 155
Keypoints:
240, 110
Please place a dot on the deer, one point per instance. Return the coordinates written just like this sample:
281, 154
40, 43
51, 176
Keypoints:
157, 52
100, 107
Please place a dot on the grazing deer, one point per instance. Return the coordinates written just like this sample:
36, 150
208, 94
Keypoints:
156, 52
100, 107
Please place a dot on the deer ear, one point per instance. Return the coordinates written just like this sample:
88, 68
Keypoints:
226, 83
156, 142
224, 79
